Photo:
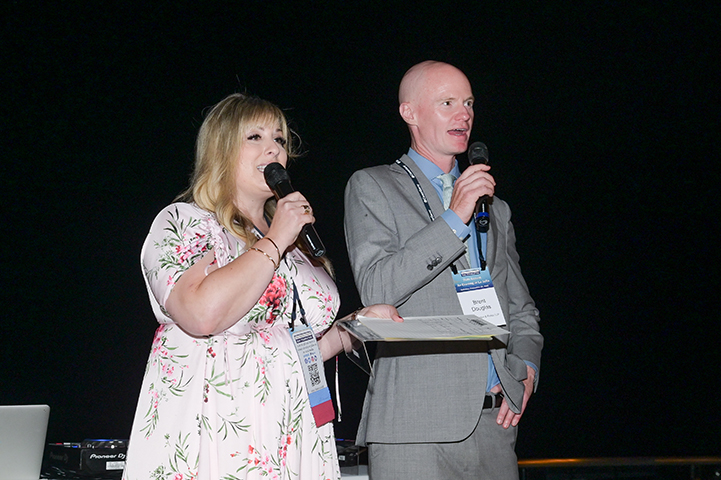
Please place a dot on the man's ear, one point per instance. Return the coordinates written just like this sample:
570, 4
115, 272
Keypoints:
407, 113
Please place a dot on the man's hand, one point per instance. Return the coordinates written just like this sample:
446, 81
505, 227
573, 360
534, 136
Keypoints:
473, 183
506, 417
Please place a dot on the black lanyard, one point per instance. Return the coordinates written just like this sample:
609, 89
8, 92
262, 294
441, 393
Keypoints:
432, 217
424, 198
299, 305
419, 188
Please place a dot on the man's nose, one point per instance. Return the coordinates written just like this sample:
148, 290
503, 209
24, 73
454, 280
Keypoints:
465, 112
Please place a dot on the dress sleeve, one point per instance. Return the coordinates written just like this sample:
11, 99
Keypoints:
180, 235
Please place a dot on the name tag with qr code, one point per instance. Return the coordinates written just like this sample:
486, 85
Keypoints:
311, 362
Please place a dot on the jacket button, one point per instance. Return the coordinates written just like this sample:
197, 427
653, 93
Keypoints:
429, 267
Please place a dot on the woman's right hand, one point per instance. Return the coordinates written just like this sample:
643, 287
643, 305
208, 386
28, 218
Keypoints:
336, 339
292, 213
380, 310
206, 301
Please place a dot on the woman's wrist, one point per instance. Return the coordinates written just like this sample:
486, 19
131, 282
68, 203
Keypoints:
352, 315
278, 240
275, 245
263, 252
271, 247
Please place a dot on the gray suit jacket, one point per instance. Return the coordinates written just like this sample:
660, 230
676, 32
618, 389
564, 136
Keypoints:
431, 391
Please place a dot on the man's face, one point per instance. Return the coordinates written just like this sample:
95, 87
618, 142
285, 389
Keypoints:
444, 113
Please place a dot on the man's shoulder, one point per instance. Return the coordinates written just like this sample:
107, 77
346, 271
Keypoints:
377, 173
377, 169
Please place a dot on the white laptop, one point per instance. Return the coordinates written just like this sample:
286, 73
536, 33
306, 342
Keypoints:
22, 440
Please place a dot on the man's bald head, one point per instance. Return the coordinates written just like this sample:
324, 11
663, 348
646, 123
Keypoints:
436, 102
416, 78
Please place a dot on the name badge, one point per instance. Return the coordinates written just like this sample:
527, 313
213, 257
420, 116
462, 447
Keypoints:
478, 296
311, 362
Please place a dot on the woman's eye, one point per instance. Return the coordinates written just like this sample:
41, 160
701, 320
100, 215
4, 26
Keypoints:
255, 136
281, 141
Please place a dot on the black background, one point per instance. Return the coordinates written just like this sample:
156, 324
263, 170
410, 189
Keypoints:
602, 122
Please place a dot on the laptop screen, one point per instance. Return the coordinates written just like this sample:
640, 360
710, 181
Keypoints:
22, 440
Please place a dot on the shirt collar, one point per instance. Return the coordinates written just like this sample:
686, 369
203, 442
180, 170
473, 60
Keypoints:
430, 169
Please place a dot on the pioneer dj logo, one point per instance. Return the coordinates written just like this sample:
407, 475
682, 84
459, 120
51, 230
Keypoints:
110, 456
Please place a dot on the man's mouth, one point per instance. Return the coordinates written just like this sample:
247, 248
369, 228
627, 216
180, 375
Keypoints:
458, 131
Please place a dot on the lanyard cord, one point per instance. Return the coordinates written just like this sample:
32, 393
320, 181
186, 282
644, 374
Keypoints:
297, 303
479, 236
419, 188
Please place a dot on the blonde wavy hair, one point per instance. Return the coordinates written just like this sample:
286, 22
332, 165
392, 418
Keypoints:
220, 139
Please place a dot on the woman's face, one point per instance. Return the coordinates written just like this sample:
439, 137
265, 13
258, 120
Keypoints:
263, 144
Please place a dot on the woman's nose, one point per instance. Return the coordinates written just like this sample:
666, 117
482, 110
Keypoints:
273, 148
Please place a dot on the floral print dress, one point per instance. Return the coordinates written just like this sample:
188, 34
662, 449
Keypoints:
232, 405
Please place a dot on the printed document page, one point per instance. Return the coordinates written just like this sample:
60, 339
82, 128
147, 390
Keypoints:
453, 327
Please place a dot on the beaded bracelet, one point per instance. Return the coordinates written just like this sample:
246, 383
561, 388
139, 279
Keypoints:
269, 257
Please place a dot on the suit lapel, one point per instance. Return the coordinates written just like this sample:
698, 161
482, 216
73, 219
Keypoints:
410, 191
492, 234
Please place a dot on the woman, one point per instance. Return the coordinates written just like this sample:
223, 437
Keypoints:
224, 396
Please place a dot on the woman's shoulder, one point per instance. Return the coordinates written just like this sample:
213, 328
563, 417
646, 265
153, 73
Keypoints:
187, 223
184, 209
187, 214
180, 218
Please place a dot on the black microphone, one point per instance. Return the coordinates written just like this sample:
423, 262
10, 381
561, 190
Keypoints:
278, 180
478, 153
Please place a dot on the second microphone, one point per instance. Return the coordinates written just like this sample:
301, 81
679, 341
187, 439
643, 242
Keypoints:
478, 153
278, 180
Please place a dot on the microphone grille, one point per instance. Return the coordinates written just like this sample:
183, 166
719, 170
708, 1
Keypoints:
274, 173
478, 153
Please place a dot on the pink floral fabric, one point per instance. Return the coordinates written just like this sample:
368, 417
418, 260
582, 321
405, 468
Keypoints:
230, 406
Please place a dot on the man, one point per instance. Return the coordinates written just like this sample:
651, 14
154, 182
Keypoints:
439, 409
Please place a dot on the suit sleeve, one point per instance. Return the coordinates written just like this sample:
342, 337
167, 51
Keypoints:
525, 342
387, 267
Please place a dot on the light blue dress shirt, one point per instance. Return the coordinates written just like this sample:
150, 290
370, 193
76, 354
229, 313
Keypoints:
463, 231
